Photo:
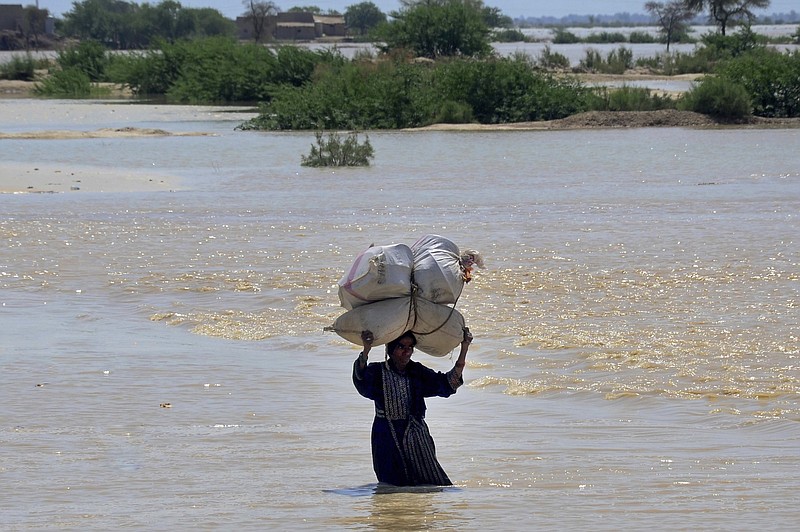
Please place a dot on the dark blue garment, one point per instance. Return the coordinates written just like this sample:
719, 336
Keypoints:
403, 452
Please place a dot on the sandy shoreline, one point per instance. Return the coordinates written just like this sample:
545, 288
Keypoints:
103, 133
18, 178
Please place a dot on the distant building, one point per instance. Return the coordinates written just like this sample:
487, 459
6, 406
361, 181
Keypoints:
294, 26
246, 31
12, 17
330, 26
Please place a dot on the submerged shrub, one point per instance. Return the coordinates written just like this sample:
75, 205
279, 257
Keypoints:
398, 94
552, 60
337, 151
562, 36
606, 37
719, 98
641, 37
508, 35
616, 61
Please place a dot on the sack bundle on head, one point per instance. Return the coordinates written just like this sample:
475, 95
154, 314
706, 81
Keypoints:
393, 289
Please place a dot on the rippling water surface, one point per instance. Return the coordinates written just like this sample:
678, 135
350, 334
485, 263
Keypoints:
636, 353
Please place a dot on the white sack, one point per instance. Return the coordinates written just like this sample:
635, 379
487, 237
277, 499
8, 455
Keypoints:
439, 329
437, 269
380, 272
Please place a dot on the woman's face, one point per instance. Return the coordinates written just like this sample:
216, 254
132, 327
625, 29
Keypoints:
403, 351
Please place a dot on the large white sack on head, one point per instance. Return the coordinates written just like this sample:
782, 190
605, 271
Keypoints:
386, 319
380, 272
438, 328
437, 269
444, 326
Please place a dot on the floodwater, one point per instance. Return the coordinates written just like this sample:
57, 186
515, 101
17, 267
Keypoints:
542, 39
164, 365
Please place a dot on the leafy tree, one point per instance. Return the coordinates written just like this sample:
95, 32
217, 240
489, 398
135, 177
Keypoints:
494, 17
305, 9
166, 20
363, 17
120, 24
106, 21
210, 22
672, 18
724, 13
258, 11
436, 28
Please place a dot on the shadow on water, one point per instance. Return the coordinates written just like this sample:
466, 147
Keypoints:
386, 489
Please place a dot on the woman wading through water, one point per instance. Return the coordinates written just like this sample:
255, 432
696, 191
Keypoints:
403, 452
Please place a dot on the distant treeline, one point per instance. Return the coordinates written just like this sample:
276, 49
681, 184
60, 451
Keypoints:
637, 19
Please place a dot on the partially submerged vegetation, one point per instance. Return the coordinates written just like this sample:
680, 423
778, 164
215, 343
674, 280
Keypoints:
423, 79
22, 68
335, 150
392, 94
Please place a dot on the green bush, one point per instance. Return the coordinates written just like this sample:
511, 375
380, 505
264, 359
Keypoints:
147, 73
719, 98
338, 151
508, 90
452, 112
444, 28
68, 83
508, 35
552, 60
631, 99
771, 79
699, 62
641, 37
19, 68
396, 94
217, 69
605, 37
720, 47
713, 50
351, 95
90, 57
616, 61
562, 36
221, 70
